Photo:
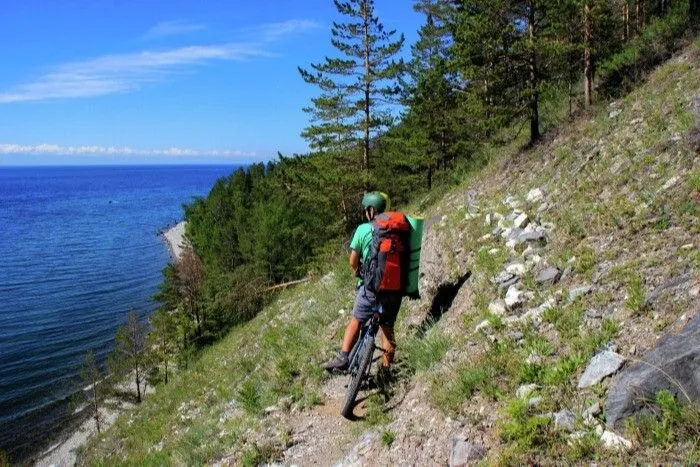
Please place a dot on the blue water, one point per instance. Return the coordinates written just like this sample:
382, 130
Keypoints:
79, 248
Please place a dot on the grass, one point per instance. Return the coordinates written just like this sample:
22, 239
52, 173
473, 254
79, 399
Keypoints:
421, 354
635, 294
667, 423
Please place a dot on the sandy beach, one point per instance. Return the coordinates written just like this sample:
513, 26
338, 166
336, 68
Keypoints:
175, 238
64, 453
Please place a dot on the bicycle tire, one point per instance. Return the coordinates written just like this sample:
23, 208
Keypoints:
356, 379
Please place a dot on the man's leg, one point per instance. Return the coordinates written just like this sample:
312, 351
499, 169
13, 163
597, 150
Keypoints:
361, 312
388, 344
351, 332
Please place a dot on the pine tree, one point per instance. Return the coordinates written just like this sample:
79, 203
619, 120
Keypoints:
129, 356
94, 388
163, 339
357, 89
433, 103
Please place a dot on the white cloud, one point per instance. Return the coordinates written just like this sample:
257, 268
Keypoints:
116, 73
91, 150
172, 28
273, 31
110, 74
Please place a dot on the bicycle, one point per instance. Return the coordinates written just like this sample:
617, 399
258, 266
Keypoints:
360, 362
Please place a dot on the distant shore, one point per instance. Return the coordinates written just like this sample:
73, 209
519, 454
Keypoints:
175, 238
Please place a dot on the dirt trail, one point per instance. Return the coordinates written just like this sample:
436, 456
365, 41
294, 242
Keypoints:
321, 435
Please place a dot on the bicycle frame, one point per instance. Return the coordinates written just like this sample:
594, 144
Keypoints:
367, 333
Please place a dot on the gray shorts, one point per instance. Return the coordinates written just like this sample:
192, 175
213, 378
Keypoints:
366, 303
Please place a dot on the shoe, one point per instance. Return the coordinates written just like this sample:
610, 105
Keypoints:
339, 363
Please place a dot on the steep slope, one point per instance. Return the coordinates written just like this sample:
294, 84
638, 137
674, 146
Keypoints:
530, 268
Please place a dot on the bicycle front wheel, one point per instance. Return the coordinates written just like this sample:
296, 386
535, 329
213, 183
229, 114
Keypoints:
356, 378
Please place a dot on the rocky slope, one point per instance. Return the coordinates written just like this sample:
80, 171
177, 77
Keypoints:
547, 278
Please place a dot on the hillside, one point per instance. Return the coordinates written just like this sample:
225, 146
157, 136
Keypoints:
491, 358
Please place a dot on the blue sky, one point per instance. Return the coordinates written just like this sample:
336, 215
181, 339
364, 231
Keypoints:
110, 81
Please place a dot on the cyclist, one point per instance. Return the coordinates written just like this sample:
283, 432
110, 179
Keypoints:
366, 302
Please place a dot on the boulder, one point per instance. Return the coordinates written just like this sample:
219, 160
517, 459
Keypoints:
525, 390
672, 364
505, 279
465, 453
521, 221
613, 441
564, 420
577, 292
548, 276
514, 298
497, 307
534, 195
518, 269
604, 364
538, 236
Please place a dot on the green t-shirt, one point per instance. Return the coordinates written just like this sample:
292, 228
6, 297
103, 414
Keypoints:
362, 240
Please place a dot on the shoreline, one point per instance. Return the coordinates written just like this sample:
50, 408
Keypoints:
175, 239
62, 452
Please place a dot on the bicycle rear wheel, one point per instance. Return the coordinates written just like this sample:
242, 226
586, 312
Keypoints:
356, 378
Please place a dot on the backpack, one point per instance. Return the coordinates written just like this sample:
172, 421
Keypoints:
386, 268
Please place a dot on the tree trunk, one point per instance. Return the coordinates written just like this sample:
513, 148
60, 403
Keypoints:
625, 20
165, 362
430, 177
638, 15
587, 60
138, 385
96, 407
534, 77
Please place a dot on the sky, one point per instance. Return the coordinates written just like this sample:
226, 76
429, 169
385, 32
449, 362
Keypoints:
163, 81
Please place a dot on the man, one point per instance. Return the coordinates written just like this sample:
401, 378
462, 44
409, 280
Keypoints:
366, 302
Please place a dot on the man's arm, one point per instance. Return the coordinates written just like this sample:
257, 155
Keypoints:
354, 260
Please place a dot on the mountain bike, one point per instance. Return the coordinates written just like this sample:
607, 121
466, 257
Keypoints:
360, 361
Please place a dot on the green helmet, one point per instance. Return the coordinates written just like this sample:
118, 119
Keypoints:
375, 200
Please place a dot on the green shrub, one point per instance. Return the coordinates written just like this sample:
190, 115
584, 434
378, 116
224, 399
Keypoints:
635, 294
522, 428
388, 438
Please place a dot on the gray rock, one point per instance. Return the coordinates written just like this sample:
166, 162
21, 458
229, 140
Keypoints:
537, 237
521, 221
548, 276
534, 195
593, 313
672, 284
614, 114
591, 412
564, 420
519, 269
514, 298
465, 453
613, 441
505, 279
673, 363
497, 307
497, 231
525, 390
577, 292
516, 336
604, 364
534, 401
565, 275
